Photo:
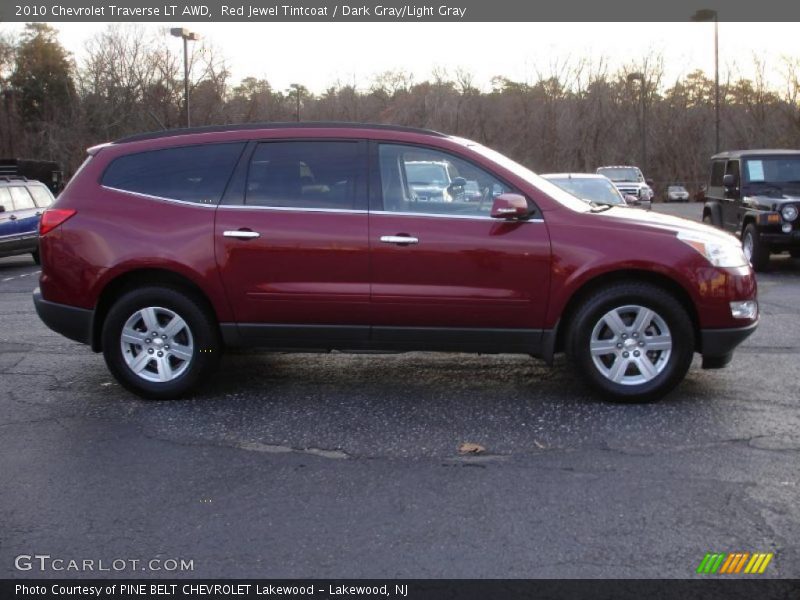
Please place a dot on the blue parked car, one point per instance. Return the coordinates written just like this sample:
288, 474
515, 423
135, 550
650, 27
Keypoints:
22, 202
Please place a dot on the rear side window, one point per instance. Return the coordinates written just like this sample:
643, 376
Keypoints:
306, 175
21, 198
41, 196
189, 173
717, 171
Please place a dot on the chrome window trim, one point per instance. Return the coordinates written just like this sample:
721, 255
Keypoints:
443, 216
346, 211
159, 198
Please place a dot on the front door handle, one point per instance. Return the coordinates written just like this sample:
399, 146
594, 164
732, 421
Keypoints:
12, 217
399, 239
242, 234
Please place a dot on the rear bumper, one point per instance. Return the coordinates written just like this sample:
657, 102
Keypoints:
717, 345
70, 321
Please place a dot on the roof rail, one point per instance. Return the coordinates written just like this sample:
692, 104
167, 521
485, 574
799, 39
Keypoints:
153, 135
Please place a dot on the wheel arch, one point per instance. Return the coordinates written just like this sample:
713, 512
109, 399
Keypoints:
612, 277
714, 210
129, 280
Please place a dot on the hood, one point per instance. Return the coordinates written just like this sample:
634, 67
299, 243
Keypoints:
766, 202
630, 217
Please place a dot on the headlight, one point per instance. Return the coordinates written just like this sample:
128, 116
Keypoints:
718, 253
789, 212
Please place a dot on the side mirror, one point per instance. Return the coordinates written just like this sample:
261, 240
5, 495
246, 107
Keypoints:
650, 182
2, 208
729, 181
510, 206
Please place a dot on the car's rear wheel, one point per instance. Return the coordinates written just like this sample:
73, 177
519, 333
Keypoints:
160, 342
633, 342
754, 249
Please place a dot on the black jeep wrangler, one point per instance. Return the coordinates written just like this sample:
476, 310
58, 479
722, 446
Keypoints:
756, 195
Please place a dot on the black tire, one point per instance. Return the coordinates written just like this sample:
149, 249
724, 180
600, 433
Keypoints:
590, 313
36, 257
201, 324
708, 220
759, 255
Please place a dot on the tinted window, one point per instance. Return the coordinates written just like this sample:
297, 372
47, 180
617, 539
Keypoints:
21, 198
190, 173
305, 175
717, 171
41, 196
420, 180
5, 199
733, 169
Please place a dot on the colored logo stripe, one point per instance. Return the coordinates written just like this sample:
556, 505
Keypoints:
734, 562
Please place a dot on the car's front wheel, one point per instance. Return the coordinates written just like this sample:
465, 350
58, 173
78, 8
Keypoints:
755, 250
633, 342
160, 342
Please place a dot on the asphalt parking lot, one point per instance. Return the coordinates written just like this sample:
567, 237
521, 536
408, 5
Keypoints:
339, 465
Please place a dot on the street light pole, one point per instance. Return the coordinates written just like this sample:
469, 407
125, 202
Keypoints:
707, 14
296, 88
187, 35
642, 99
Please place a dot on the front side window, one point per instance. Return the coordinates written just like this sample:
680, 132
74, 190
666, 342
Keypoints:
189, 173
41, 196
5, 199
420, 180
306, 175
21, 198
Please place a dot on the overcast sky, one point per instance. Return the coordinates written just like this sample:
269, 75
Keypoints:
320, 54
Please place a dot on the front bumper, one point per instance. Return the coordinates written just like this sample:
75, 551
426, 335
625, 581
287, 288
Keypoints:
70, 321
717, 345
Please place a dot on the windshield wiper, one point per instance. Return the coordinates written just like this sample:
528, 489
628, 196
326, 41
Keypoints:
598, 207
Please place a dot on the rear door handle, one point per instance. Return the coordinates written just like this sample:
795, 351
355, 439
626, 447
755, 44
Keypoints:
12, 217
242, 234
399, 239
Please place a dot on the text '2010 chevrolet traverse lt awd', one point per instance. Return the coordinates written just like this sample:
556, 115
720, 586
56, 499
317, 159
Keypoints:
166, 248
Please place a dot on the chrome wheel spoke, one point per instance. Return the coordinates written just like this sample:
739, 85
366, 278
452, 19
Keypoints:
140, 362
603, 347
658, 342
132, 336
642, 321
180, 352
618, 369
149, 318
164, 369
174, 326
646, 368
614, 322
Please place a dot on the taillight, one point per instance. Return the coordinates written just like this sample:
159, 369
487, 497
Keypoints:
53, 217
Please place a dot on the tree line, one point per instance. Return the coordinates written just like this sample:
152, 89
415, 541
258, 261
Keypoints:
575, 115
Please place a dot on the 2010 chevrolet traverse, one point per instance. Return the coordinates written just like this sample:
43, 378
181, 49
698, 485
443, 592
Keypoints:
166, 248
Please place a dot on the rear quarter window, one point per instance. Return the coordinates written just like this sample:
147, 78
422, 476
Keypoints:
41, 196
190, 173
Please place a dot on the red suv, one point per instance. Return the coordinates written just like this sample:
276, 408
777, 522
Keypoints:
165, 248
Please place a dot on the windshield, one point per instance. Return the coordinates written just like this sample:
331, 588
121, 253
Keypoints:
598, 190
556, 193
621, 173
427, 173
781, 170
